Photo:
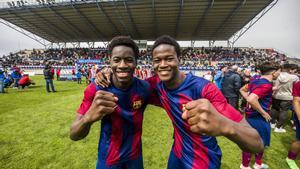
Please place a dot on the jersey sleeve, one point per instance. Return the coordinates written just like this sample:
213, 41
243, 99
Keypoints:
214, 95
296, 89
263, 90
154, 98
88, 98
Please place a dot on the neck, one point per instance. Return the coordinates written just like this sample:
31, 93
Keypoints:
119, 85
176, 81
268, 77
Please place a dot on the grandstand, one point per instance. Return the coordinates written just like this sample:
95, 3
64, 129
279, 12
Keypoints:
40, 137
61, 21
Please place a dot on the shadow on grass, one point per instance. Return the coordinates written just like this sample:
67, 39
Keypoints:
62, 91
35, 86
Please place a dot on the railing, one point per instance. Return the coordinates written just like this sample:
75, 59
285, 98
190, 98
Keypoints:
22, 3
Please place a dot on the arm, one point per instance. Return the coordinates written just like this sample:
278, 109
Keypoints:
252, 99
102, 104
296, 104
102, 80
80, 128
214, 116
203, 118
244, 91
244, 136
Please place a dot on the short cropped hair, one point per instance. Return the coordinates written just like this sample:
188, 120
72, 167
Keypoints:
123, 41
267, 67
166, 39
289, 66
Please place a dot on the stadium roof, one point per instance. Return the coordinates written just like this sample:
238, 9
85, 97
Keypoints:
91, 21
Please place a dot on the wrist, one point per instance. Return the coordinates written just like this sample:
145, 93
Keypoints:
228, 128
86, 120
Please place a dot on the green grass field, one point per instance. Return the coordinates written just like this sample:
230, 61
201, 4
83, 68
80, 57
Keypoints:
34, 133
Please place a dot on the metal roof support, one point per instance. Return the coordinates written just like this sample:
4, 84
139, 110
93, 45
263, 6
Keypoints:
242, 31
121, 18
155, 28
105, 44
91, 44
91, 25
61, 45
229, 44
132, 21
49, 46
74, 45
58, 44
64, 20
100, 8
25, 32
30, 24
202, 19
192, 43
46, 22
178, 17
228, 18
211, 43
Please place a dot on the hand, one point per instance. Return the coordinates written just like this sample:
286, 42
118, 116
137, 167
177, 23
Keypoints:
267, 116
104, 103
204, 119
103, 77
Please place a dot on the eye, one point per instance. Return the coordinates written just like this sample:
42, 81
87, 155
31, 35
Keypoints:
169, 59
156, 60
130, 59
116, 59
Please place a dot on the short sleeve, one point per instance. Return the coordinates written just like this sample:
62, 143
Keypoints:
214, 95
263, 90
296, 89
88, 98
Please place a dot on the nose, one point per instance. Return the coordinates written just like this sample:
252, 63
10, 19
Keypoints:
122, 64
163, 63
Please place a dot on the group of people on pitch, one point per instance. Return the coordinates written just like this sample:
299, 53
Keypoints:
198, 110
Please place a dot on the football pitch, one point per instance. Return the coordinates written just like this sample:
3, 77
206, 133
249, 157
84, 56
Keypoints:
34, 133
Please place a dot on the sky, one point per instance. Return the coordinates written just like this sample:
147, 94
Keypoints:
278, 29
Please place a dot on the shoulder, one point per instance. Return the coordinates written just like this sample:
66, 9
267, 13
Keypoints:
295, 78
142, 83
198, 81
91, 89
296, 89
297, 84
153, 81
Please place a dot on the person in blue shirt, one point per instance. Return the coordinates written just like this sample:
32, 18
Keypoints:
16, 75
78, 75
218, 78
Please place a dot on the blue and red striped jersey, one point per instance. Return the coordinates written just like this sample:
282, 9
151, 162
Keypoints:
196, 151
263, 89
120, 137
296, 89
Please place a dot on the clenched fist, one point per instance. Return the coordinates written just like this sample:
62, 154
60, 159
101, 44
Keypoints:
104, 103
204, 119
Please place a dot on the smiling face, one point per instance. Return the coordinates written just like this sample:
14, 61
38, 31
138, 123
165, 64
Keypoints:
165, 62
122, 63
